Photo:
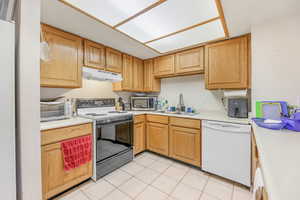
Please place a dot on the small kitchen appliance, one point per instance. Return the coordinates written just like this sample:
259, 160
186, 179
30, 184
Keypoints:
238, 107
51, 111
113, 134
143, 103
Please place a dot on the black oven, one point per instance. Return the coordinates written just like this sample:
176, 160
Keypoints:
114, 143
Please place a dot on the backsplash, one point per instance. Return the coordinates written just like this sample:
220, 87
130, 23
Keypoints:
194, 93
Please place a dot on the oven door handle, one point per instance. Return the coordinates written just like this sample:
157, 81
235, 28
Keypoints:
115, 123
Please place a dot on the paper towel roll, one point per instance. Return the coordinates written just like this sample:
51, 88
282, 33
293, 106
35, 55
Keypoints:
235, 93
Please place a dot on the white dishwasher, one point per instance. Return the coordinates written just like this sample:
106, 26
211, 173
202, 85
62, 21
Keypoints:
226, 150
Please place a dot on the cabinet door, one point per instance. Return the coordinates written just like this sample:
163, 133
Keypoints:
63, 70
138, 75
55, 179
151, 84
127, 74
185, 145
139, 138
113, 60
94, 55
164, 66
190, 61
127, 82
226, 64
158, 138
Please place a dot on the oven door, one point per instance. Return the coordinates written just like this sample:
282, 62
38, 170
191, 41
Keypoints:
113, 139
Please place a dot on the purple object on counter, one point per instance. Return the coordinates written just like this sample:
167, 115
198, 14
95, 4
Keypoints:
293, 123
275, 126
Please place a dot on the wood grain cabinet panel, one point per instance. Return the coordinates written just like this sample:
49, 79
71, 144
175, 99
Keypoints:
55, 178
184, 122
127, 74
185, 145
158, 138
226, 64
151, 84
164, 66
63, 70
138, 75
94, 55
139, 134
113, 60
190, 61
158, 119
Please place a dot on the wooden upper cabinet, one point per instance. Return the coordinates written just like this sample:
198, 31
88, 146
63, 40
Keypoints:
151, 84
138, 75
94, 55
127, 74
63, 70
113, 60
226, 64
164, 66
190, 61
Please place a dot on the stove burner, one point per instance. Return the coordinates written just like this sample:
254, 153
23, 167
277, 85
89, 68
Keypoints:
115, 111
95, 114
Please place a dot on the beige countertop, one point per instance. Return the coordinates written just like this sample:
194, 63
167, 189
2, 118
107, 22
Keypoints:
63, 123
204, 115
279, 154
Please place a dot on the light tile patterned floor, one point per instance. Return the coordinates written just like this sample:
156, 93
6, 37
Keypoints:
152, 177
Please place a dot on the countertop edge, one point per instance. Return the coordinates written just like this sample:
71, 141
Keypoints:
64, 123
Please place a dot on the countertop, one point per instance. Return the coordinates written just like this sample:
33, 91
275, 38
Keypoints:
63, 123
279, 155
204, 115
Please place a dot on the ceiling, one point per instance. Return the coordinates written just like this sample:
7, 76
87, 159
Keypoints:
238, 14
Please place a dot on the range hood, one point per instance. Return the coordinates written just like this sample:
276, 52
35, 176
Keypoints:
100, 75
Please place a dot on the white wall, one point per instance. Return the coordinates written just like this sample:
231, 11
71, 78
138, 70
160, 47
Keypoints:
275, 60
28, 97
194, 93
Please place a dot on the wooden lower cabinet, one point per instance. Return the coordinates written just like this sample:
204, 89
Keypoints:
54, 178
158, 138
139, 144
139, 138
185, 145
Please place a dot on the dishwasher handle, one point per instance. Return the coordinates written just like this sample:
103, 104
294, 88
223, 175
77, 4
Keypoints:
228, 127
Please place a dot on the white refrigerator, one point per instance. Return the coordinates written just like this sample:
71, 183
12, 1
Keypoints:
7, 108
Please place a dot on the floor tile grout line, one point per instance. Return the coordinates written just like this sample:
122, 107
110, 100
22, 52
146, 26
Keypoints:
178, 183
160, 173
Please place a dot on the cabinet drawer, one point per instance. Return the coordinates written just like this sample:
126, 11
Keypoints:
184, 122
59, 134
158, 119
139, 119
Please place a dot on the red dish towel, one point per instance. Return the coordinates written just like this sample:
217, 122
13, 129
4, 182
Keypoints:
76, 152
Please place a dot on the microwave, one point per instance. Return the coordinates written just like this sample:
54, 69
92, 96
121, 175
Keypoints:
143, 103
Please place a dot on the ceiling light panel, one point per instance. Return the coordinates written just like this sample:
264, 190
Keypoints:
169, 17
208, 32
111, 12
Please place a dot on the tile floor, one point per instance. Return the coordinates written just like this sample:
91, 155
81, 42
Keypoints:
152, 177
